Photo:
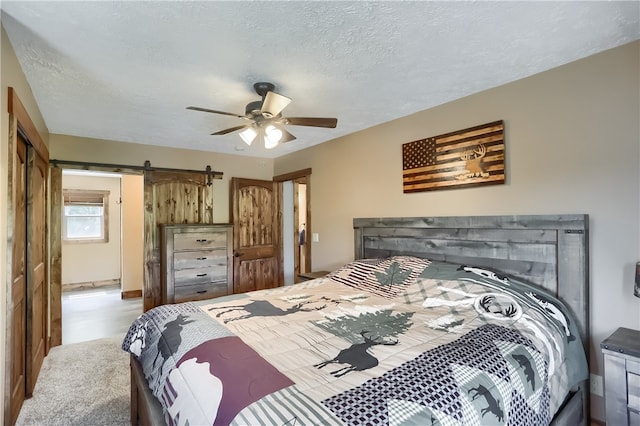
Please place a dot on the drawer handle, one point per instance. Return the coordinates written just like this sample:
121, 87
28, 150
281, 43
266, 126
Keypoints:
201, 241
201, 275
201, 258
201, 291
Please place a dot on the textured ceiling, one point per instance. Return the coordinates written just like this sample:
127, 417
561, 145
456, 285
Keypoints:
125, 71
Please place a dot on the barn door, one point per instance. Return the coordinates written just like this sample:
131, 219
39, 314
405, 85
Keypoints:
170, 198
255, 242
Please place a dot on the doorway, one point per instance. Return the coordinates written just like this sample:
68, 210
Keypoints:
295, 224
193, 189
294, 229
102, 245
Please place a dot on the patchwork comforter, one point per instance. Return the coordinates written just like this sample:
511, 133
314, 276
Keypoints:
399, 340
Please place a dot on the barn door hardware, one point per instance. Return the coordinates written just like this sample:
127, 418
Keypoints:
211, 174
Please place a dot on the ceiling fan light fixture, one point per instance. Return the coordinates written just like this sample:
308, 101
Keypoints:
266, 123
272, 136
248, 135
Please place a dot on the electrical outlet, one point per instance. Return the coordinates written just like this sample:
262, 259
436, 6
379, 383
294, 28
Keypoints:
596, 385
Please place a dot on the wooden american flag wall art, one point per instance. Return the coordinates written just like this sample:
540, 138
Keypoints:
469, 157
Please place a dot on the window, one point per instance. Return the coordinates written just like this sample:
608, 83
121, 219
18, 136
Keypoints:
85, 216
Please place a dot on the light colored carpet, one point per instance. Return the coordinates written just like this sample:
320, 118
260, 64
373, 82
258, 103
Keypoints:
83, 384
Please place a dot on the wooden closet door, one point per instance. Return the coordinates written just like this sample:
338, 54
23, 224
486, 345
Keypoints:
170, 198
27, 303
37, 294
18, 331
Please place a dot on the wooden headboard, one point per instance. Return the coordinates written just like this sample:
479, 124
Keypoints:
550, 251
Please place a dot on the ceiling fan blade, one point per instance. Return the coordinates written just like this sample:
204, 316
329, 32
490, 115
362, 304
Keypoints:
215, 111
229, 130
273, 104
312, 121
287, 136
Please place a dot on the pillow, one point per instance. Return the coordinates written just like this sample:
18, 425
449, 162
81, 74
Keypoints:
386, 277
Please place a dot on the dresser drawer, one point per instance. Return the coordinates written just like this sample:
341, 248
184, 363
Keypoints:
200, 291
191, 276
199, 259
633, 391
199, 240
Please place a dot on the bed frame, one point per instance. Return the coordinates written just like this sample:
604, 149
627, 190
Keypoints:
550, 251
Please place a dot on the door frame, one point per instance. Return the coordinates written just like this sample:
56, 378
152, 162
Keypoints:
279, 180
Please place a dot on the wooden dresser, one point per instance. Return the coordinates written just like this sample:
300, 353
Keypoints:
196, 262
622, 377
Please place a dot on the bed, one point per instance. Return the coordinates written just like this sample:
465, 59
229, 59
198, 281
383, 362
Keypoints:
438, 320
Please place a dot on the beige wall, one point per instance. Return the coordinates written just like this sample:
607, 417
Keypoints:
132, 232
71, 148
572, 145
86, 262
11, 75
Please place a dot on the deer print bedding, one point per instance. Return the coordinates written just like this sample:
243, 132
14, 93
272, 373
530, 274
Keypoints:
389, 341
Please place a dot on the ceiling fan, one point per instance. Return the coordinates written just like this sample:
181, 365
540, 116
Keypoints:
266, 120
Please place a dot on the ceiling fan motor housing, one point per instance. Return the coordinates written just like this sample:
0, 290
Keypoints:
263, 87
253, 108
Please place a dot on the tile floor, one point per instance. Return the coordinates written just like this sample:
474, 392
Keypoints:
96, 313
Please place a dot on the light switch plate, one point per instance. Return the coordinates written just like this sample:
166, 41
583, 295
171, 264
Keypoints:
596, 384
